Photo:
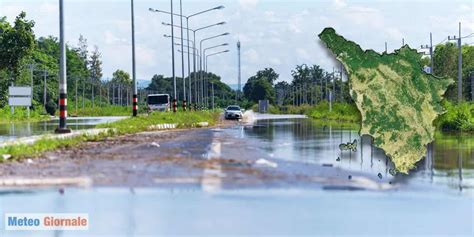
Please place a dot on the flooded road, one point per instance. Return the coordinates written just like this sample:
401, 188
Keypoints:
11, 131
211, 182
449, 163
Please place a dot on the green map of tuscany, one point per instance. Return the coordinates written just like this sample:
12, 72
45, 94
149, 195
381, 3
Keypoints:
398, 101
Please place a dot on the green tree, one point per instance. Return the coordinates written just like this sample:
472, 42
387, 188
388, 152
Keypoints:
121, 77
16, 43
260, 86
95, 64
445, 65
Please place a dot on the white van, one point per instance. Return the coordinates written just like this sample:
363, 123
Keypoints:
159, 102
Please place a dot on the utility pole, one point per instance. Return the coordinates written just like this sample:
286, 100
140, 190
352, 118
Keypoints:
134, 74
212, 84
92, 87
431, 53
459, 62
342, 84
45, 85
472, 85
430, 48
32, 68
172, 58
239, 79
334, 81
386, 47
460, 66
182, 54
83, 93
113, 94
62, 75
75, 97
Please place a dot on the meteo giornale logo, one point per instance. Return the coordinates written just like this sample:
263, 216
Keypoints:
46, 221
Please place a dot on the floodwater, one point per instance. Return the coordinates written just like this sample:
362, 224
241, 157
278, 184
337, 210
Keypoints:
435, 199
11, 131
449, 163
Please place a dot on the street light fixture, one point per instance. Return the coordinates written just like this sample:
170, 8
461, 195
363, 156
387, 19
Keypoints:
210, 55
187, 31
202, 59
194, 33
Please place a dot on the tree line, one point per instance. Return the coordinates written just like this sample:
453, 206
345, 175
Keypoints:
311, 84
22, 53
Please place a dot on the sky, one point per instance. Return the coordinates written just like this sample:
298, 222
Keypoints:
273, 33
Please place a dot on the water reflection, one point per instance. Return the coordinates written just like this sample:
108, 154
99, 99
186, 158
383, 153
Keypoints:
449, 159
10, 131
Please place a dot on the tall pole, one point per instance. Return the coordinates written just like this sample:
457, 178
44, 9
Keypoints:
83, 93
196, 80
32, 66
75, 97
342, 85
172, 58
189, 66
201, 75
92, 89
134, 71
431, 53
239, 79
459, 66
182, 53
386, 47
472, 85
62, 75
44, 89
212, 84
334, 81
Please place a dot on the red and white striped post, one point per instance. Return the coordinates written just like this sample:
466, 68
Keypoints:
62, 75
134, 74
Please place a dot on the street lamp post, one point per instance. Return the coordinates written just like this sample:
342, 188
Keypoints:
195, 55
194, 32
134, 73
62, 75
206, 58
187, 31
205, 78
172, 58
182, 54
202, 60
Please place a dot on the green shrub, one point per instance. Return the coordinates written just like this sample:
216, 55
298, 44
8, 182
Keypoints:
459, 117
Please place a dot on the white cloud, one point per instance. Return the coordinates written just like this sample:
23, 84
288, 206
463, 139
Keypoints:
338, 4
248, 4
111, 39
48, 8
303, 54
275, 61
251, 56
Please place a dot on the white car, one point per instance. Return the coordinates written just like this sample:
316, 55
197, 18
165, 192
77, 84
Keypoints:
233, 112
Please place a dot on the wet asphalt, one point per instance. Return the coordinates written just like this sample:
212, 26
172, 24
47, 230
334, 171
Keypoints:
210, 158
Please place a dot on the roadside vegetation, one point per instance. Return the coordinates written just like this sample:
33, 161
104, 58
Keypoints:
144, 122
21, 115
458, 117
130, 125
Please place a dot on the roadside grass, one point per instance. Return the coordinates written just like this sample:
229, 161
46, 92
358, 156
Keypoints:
101, 111
126, 126
340, 112
343, 112
458, 117
143, 122
21, 115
